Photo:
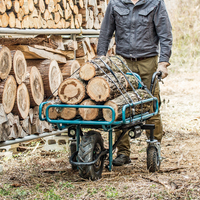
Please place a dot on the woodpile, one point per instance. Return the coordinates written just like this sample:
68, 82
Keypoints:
60, 14
98, 89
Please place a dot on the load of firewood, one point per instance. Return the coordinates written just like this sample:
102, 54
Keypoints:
94, 84
43, 14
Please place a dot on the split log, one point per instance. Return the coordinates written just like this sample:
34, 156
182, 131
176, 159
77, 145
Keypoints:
3, 133
22, 102
89, 113
51, 75
101, 88
3, 117
71, 91
69, 68
19, 66
36, 127
26, 125
35, 86
118, 103
5, 62
31, 53
70, 45
8, 90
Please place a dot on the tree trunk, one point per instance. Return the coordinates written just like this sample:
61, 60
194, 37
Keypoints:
118, 103
35, 86
8, 90
101, 88
71, 91
51, 75
22, 102
89, 113
5, 62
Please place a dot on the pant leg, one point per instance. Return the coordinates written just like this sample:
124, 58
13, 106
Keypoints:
146, 69
124, 144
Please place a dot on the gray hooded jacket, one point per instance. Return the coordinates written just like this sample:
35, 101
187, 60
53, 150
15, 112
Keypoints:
138, 29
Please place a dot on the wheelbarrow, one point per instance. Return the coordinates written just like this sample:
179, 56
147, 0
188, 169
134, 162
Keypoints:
87, 149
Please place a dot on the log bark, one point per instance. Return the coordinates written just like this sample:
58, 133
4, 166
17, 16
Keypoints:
8, 90
26, 125
69, 68
19, 66
118, 103
5, 62
51, 75
89, 113
71, 91
101, 88
22, 102
35, 86
3, 117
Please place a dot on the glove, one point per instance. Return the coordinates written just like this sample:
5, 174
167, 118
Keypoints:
162, 66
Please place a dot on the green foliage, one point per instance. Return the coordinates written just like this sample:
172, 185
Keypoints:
51, 195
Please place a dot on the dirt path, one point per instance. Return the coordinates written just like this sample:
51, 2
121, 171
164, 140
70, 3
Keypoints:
179, 177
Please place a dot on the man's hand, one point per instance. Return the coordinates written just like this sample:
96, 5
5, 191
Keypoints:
162, 66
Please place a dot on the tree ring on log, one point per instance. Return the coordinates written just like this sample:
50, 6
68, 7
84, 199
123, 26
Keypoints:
68, 113
19, 66
9, 94
88, 113
87, 72
107, 113
55, 77
37, 88
23, 100
5, 62
71, 91
98, 89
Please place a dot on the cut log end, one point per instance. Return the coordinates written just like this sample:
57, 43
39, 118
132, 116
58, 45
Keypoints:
68, 113
5, 62
98, 89
71, 91
9, 94
19, 66
37, 88
107, 113
87, 72
22, 106
88, 113
55, 77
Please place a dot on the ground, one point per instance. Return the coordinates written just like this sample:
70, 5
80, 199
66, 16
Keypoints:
35, 175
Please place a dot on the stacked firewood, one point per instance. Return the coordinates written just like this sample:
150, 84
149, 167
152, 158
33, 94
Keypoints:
31, 71
42, 14
94, 84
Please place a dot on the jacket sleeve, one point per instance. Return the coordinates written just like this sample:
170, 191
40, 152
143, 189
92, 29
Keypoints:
164, 31
107, 30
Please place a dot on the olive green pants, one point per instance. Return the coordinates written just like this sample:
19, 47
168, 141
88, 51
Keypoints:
145, 68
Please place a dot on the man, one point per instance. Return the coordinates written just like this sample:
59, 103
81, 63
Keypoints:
142, 31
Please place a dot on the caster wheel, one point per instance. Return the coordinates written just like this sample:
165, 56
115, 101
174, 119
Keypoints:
90, 147
153, 162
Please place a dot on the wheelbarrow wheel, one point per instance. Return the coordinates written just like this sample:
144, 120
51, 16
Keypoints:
90, 147
72, 150
153, 162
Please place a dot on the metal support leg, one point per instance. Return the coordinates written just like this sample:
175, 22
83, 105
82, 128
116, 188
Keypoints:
110, 150
78, 131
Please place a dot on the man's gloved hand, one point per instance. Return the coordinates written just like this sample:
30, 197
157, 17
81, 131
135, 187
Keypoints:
162, 66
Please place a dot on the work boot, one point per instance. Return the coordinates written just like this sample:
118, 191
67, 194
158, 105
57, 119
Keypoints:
121, 159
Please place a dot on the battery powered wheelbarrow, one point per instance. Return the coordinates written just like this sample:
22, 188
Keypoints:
87, 149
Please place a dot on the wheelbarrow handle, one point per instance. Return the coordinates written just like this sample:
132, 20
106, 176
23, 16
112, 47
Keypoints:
156, 75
